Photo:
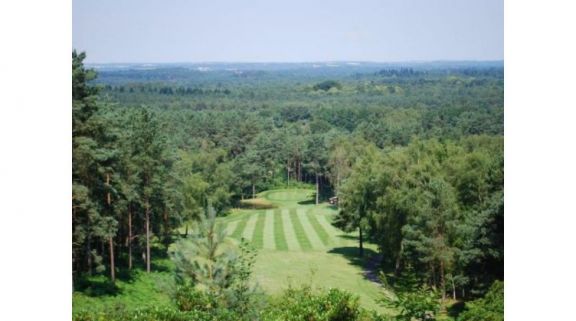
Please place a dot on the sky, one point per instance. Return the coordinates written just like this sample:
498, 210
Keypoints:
169, 31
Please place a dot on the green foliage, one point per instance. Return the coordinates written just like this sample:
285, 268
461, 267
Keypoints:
297, 304
156, 313
136, 290
94, 162
327, 85
420, 304
213, 274
435, 207
488, 308
415, 156
203, 259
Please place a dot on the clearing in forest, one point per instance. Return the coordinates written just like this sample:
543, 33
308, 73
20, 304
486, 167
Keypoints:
297, 244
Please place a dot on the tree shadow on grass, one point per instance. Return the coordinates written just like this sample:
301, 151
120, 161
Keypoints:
349, 237
355, 238
307, 202
369, 263
97, 286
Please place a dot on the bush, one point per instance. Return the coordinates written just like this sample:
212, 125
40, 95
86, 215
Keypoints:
488, 308
304, 304
189, 299
418, 304
156, 314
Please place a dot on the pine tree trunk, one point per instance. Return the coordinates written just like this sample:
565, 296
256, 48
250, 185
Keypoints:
147, 237
433, 280
287, 173
108, 198
166, 228
398, 265
361, 242
253, 191
110, 240
317, 189
129, 238
453, 290
112, 268
442, 281
89, 254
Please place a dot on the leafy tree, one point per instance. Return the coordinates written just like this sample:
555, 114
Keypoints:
358, 195
317, 159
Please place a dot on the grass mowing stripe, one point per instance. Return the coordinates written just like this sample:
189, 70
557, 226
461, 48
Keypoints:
279, 238
289, 232
258, 238
332, 231
231, 227
268, 234
248, 233
320, 231
311, 234
237, 234
299, 230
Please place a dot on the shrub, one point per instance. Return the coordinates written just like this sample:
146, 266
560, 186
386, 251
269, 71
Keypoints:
419, 304
304, 304
488, 308
157, 314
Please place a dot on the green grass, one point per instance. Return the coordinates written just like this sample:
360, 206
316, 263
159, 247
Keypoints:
240, 226
320, 231
140, 290
258, 236
298, 245
279, 238
299, 231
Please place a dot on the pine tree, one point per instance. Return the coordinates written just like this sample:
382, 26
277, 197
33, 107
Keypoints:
94, 163
147, 156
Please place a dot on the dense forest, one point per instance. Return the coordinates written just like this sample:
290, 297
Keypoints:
414, 154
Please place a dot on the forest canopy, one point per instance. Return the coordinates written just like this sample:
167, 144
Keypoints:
413, 154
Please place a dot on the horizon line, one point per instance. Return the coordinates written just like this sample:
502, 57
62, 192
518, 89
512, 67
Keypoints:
304, 62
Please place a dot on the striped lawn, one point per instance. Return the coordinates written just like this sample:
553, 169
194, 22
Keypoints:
269, 241
279, 238
299, 230
320, 231
258, 236
323, 220
237, 234
294, 239
294, 229
250, 227
231, 227
309, 231
289, 232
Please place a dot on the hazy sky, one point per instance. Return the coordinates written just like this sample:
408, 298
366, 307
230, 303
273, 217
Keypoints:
288, 31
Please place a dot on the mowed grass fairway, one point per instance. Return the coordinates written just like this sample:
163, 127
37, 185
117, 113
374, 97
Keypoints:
297, 244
